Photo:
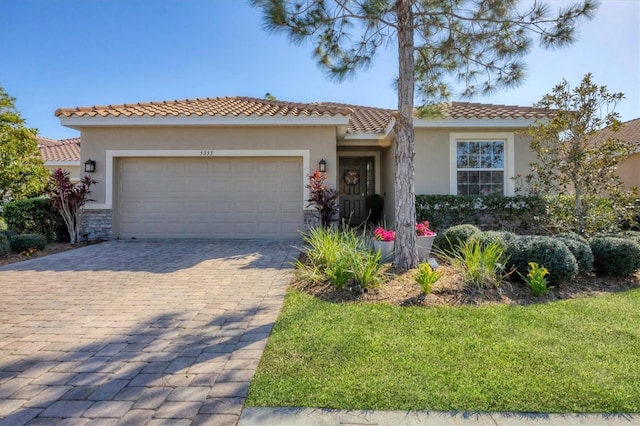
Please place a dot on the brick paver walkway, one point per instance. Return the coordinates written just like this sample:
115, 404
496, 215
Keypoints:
137, 332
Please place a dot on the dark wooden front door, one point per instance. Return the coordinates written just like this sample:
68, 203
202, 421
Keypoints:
357, 182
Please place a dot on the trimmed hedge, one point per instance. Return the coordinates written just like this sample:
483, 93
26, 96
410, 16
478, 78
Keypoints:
520, 214
24, 242
549, 252
4, 245
486, 238
615, 256
449, 240
33, 216
8, 234
580, 249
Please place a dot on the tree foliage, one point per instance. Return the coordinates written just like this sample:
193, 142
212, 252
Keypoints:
441, 44
22, 171
577, 150
69, 199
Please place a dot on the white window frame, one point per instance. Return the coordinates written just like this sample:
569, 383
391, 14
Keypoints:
509, 156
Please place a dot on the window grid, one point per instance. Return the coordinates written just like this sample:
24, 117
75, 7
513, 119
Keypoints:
480, 167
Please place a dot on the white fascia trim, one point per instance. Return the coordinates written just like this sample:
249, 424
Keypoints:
62, 163
78, 122
364, 136
509, 160
474, 123
112, 154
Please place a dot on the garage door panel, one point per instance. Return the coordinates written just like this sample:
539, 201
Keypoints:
209, 197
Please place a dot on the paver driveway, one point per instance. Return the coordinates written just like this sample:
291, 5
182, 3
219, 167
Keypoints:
137, 332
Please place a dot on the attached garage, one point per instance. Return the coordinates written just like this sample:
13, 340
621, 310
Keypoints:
204, 197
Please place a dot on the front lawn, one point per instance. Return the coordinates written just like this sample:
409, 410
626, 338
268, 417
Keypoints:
580, 355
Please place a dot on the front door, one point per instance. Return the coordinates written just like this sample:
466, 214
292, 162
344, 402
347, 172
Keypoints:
356, 183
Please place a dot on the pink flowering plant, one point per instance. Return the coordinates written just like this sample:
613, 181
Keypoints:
423, 230
382, 234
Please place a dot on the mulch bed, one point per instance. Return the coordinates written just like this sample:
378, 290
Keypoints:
402, 290
51, 248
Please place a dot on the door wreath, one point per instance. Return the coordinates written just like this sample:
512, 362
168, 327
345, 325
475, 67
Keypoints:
351, 177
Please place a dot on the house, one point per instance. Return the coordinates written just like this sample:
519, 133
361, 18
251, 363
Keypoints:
63, 153
236, 167
629, 169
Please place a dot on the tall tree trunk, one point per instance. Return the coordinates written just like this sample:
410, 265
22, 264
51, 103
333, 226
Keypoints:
406, 256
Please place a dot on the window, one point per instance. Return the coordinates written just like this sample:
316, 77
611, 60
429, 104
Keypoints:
480, 167
481, 164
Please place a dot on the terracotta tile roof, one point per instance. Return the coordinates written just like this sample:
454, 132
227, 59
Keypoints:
225, 106
629, 131
363, 119
468, 110
59, 150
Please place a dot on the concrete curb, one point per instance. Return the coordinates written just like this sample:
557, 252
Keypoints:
317, 416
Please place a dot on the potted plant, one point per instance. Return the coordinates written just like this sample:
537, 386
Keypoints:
383, 241
424, 240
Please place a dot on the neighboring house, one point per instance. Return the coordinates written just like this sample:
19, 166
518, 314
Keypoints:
629, 169
237, 167
63, 153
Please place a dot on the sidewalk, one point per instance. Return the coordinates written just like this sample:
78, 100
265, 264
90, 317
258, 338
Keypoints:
253, 416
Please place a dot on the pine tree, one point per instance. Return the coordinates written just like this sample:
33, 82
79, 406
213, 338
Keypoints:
479, 43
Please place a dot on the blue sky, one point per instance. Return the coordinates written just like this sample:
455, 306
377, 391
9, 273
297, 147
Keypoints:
67, 53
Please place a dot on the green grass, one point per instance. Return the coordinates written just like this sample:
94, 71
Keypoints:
572, 356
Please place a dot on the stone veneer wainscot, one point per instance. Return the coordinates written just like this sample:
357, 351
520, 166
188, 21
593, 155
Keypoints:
96, 225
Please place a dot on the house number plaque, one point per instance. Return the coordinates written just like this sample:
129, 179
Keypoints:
207, 153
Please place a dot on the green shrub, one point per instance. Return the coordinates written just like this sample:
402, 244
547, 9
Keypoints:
20, 243
615, 256
3, 224
522, 214
33, 216
580, 249
426, 277
486, 238
481, 267
536, 279
4, 245
8, 234
452, 238
340, 256
547, 251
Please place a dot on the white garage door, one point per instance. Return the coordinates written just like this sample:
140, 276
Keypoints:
210, 197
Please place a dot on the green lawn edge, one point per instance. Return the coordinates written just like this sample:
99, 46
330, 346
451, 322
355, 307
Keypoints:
572, 356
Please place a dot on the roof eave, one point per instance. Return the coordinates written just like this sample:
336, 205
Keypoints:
465, 123
146, 121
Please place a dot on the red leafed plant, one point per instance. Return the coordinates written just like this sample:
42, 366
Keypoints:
69, 199
323, 198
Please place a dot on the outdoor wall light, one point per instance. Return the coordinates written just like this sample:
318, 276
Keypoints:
322, 166
90, 166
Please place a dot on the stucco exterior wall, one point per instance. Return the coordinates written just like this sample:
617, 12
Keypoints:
629, 171
433, 160
74, 171
320, 141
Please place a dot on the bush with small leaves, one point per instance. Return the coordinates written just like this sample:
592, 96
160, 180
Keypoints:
615, 256
8, 234
547, 251
486, 238
20, 243
4, 245
580, 249
449, 241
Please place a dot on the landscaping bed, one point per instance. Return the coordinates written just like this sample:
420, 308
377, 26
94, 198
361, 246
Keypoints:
51, 248
402, 290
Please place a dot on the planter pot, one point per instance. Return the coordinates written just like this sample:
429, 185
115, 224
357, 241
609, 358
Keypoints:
424, 244
385, 248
